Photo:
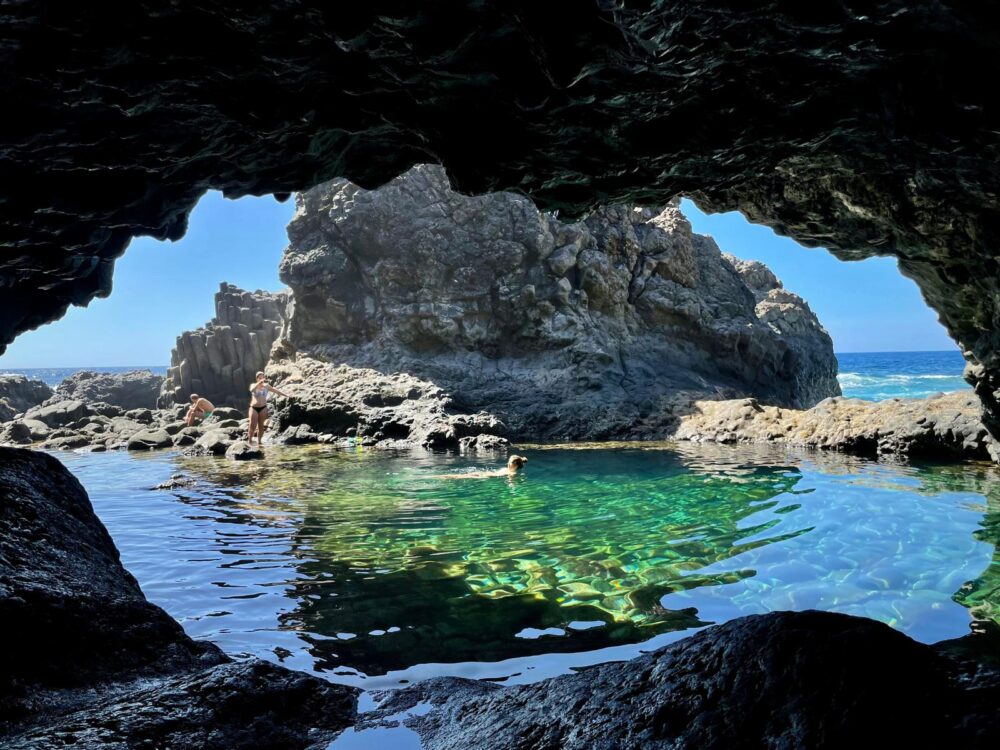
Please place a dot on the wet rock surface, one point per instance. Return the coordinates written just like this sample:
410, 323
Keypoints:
220, 360
806, 679
561, 330
130, 390
946, 426
96, 665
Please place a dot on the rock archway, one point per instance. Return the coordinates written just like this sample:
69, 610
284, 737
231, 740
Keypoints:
859, 126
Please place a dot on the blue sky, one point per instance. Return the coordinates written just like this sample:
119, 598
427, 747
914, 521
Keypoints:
162, 288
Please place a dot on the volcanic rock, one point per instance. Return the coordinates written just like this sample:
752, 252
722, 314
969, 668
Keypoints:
220, 360
128, 390
19, 393
149, 439
98, 666
58, 413
570, 330
783, 680
388, 411
243, 451
945, 427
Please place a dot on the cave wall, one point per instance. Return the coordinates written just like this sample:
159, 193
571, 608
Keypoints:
863, 127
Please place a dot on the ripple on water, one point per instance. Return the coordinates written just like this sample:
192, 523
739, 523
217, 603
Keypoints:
359, 564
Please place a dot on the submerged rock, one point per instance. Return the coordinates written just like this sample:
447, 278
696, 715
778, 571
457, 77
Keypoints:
243, 451
97, 666
129, 390
561, 330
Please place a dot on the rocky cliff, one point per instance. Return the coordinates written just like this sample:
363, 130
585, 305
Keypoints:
219, 360
589, 329
19, 393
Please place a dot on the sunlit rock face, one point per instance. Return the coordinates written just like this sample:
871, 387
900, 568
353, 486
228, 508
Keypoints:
220, 360
864, 128
601, 328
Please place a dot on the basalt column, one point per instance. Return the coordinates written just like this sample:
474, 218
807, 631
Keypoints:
219, 360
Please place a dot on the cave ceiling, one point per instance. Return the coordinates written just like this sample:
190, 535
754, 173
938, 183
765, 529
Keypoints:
869, 128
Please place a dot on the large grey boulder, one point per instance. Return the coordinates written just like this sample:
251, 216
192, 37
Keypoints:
128, 390
18, 393
589, 329
58, 413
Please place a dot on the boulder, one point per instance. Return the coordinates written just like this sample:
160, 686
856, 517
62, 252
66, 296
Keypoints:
142, 416
59, 413
215, 441
15, 433
129, 390
18, 393
483, 443
149, 439
243, 451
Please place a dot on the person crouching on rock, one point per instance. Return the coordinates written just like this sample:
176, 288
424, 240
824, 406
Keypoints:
201, 409
259, 392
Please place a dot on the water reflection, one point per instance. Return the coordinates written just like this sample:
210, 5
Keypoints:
362, 562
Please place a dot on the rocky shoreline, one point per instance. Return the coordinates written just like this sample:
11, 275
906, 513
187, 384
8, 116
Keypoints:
98, 666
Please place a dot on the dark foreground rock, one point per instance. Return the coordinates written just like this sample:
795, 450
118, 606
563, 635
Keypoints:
784, 680
562, 330
944, 426
138, 389
91, 662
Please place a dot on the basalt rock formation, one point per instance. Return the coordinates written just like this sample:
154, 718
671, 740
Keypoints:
19, 393
944, 426
861, 127
96, 665
580, 330
138, 389
219, 361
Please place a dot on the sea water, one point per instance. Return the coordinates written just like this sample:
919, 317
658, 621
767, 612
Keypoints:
53, 376
376, 568
875, 376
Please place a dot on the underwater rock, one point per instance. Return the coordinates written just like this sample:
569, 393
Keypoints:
219, 361
585, 330
243, 451
128, 390
98, 666
946, 427
787, 679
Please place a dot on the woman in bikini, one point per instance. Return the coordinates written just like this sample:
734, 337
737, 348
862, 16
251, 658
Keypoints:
259, 392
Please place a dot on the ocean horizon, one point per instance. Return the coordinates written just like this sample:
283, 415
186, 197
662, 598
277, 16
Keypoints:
872, 376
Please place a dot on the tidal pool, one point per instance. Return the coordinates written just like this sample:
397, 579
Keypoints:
368, 568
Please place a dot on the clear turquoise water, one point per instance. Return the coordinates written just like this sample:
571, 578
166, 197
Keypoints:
367, 568
876, 376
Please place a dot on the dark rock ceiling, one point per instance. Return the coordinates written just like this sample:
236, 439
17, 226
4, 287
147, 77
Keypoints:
870, 128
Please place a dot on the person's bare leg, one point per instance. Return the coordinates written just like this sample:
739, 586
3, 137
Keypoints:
261, 424
252, 416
